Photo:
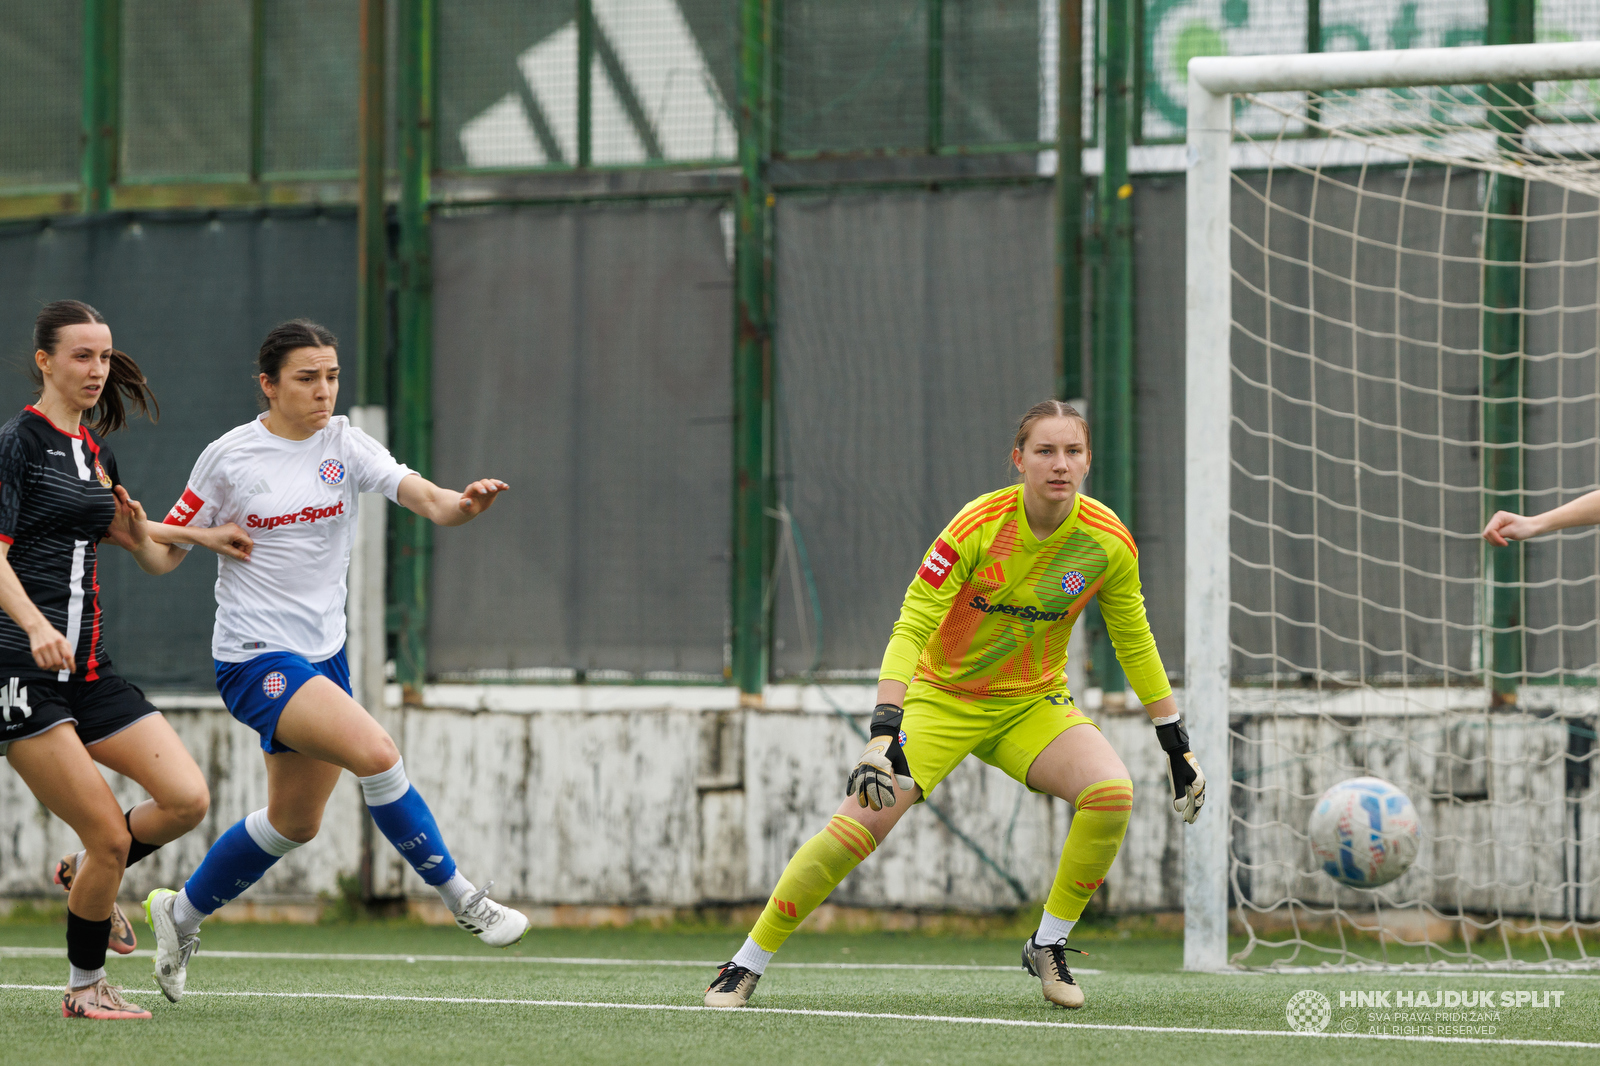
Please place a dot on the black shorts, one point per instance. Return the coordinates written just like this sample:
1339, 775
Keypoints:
100, 709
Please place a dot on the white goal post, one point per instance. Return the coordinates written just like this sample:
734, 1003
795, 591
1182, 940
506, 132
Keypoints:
1213, 155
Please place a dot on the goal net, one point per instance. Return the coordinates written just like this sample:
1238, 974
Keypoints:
1413, 295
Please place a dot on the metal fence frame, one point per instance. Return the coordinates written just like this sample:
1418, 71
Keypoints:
1094, 241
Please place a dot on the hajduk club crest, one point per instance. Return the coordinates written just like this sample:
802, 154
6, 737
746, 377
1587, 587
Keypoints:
274, 684
1072, 583
331, 471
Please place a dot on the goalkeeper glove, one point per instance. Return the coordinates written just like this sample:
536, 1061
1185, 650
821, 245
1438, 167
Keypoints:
1188, 781
883, 764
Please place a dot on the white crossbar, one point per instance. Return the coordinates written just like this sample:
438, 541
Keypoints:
1326, 71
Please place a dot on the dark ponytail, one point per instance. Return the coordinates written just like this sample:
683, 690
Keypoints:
125, 384
285, 338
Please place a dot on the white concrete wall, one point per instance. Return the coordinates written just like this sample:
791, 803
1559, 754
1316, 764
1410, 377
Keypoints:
674, 797
31, 839
635, 797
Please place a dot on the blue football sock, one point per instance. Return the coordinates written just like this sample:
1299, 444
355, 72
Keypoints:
403, 816
236, 861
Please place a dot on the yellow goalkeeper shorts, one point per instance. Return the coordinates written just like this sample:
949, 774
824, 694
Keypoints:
941, 729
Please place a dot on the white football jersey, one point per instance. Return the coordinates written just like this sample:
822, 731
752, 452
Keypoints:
297, 500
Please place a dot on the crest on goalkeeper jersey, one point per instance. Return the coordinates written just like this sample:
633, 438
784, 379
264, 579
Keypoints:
1072, 582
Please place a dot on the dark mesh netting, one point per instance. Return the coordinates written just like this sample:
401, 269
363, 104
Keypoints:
583, 354
186, 89
913, 329
41, 87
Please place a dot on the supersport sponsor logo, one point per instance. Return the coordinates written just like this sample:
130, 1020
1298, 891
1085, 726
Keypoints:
1030, 613
184, 510
305, 514
936, 567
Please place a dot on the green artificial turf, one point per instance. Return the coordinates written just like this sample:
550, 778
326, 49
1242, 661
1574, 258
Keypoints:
1140, 985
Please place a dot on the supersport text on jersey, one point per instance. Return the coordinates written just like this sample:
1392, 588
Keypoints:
297, 500
991, 608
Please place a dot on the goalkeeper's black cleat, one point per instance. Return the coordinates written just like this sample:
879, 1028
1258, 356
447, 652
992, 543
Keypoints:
732, 986
1048, 962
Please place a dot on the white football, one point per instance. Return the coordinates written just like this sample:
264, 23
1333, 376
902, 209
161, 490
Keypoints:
1364, 832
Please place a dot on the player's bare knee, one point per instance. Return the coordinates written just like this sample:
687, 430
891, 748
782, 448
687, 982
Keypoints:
188, 808
109, 844
300, 830
878, 823
378, 755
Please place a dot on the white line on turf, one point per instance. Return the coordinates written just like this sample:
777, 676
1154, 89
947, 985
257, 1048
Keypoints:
546, 960
949, 1019
314, 956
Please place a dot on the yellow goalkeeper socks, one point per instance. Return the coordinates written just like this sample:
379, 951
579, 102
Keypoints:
816, 870
1098, 826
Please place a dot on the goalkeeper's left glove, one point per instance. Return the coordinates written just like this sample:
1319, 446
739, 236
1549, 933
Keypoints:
1188, 781
883, 765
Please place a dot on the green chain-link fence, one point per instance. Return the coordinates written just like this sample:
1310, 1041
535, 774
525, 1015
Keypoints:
243, 90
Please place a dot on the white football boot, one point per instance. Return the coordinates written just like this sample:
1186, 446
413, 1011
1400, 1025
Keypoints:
1048, 962
497, 925
173, 948
732, 986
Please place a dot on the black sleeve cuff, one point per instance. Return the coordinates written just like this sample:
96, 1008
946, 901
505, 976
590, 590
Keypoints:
1173, 736
886, 720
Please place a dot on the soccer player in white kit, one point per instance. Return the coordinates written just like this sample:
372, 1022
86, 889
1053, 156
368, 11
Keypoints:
289, 480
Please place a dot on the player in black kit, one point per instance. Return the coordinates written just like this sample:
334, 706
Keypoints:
60, 497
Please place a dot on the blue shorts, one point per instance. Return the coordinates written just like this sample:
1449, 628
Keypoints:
257, 690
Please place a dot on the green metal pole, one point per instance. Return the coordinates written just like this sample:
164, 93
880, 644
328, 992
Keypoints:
102, 26
1111, 405
414, 408
1069, 201
372, 295
258, 87
935, 76
752, 360
585, 82
1313, 44
1510, 22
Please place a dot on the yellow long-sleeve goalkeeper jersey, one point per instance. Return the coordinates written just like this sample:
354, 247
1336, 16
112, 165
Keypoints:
990, 609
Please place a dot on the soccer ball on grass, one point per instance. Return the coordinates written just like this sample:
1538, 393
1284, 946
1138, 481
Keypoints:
1364, 832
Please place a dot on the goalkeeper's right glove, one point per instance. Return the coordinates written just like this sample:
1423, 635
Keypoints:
883, 765
1188, 781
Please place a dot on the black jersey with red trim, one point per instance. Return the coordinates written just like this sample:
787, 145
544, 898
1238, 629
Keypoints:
55, 505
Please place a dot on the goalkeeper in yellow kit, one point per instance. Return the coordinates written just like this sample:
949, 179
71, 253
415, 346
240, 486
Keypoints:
977, 666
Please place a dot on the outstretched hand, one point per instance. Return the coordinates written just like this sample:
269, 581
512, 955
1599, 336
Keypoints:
127, 526
479, 496
1505, 527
